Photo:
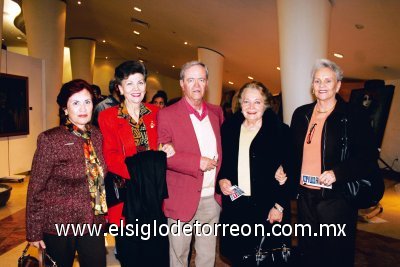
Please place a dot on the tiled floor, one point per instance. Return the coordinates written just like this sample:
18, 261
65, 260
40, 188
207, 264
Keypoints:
378, 244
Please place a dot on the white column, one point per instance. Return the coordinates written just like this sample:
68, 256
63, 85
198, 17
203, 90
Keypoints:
215, 64
1, 25
82, 51
45, 32
303, 38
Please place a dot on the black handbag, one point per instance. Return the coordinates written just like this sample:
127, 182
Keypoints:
30, 261
281, 256
115, 189
365, 192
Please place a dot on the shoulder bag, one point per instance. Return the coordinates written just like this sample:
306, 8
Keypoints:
364, 192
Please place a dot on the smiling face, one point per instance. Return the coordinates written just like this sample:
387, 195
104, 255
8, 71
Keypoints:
325, 84
79, 108
253, 104
133, 88
194, 84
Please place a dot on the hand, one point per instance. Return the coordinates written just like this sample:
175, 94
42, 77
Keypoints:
327, 178
168, 149
38, 244
280, 175
207, 164
225, 186
274, 216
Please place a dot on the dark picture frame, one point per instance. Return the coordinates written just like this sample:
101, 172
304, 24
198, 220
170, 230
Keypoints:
375, 98
14, 105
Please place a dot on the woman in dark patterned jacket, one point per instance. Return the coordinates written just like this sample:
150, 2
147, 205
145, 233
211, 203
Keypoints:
66, 187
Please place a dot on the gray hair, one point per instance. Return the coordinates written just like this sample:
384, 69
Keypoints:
326, 63
190, 64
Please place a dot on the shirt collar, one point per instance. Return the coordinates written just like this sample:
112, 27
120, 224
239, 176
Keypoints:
193, 111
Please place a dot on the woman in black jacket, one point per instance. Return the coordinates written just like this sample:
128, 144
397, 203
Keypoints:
335, 144
254, 147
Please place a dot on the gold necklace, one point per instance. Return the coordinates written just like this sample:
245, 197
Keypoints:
325, 111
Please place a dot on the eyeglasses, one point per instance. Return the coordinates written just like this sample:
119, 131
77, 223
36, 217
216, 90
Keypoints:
311, 134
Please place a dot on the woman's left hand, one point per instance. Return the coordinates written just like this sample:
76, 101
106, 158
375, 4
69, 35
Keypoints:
274, 215
327, 178
168, 149
280, 175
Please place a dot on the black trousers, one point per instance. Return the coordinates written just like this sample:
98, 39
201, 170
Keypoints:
132, 251
91, 250
319, 249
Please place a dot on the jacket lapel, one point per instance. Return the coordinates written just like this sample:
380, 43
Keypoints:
188, 126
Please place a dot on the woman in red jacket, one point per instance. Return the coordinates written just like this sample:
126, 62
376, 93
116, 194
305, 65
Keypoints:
66, 188
129, 128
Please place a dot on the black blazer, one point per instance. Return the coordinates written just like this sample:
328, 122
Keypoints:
269, 149
358, 159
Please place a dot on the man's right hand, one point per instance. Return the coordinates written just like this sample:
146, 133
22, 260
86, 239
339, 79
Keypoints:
207, 164
38, 244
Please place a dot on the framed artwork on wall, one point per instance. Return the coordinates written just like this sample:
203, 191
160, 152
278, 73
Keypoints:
14, 105
375, 98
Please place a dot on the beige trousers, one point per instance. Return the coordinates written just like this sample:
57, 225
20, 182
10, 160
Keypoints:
207, 215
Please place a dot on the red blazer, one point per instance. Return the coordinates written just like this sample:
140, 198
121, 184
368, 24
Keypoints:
184, 177
118, 143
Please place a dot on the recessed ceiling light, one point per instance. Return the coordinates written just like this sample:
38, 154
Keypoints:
278, 68
251, 78
104, 41
79, 2
359, 26
185, 43
136, 32
337, 55
141, 60
173, 66
106, 57
137, 9
230, 82
19, 38
139, 47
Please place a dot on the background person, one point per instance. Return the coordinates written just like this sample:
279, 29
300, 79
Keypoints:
160, 99
130, 128
254, 145
67, 182
334, 142
193, 128
110, 101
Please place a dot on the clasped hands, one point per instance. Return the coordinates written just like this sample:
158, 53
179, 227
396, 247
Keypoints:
168, 149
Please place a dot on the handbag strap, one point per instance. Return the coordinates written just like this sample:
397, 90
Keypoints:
44, 255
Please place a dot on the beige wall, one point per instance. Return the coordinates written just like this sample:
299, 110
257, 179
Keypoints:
17, 152
391, 139
104, 72
157, 82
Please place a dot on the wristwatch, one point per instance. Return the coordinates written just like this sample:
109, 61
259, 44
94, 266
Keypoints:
280, 209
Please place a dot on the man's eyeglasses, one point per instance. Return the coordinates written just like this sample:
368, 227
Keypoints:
311, 134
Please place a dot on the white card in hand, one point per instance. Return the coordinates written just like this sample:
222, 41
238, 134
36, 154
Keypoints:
237, 192
313, 180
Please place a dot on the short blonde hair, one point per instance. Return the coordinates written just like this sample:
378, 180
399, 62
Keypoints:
266, 94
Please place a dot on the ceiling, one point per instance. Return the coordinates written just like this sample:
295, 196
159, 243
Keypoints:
245, 32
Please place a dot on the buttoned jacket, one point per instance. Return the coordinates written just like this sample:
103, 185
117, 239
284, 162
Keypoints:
184, 176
